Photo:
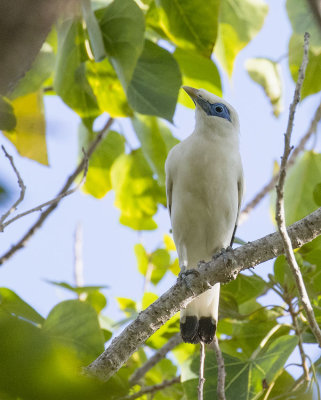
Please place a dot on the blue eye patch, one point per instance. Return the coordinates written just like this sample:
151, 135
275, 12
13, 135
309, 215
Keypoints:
215, 110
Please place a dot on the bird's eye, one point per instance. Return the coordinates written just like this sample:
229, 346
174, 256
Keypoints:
218, 109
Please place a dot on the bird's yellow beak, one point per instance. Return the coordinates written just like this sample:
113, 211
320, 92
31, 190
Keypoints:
192, 92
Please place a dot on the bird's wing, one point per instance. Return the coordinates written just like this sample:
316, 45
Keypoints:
240, 186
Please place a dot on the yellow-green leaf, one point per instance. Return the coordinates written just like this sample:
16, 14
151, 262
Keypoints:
174, 267
312, 81
29, 134
127, 305
190, 24
136, 192
266, 73
7, 118
199, 72
169, 242
107, 88
141, 258
239, 23
98, 180
148, 299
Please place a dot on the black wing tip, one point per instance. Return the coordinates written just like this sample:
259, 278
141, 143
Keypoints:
194, 330
206, 329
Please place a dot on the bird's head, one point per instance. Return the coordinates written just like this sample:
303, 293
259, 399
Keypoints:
212, 111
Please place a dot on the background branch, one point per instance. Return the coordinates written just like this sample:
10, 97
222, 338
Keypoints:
43, 216
221, 374
159, 355
22, 189
271, 184
179, 295
201, 378
280, 213
152, 389
55, 200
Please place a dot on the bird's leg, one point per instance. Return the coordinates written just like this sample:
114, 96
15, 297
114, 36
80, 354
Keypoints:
184, 273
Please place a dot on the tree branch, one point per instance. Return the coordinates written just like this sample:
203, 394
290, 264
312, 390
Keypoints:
300, 342
159, 355
152, 389
55, 200
280, 213
22, 189
43, 216
201, 379
271, 184
220, 370
179, 295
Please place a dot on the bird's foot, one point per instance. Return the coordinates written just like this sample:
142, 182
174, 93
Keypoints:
184, 273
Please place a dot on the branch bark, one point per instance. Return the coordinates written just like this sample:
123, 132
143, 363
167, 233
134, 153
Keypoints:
43, 216
221, 374
201, 378
179, 295
280, 213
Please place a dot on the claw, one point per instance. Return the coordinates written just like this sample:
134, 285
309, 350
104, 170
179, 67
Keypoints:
183, 274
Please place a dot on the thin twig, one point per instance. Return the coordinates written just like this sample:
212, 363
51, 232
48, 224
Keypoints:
271, 184
43, 216
159, 355
55, 200
184, 291
153, 389
280, 214
78, 261
298, 333
201, 379
22, 189
221, 374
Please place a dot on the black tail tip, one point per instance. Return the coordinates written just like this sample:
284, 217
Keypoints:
189, 330
206, 329
194, 330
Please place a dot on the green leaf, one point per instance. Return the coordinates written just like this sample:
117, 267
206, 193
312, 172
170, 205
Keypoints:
148, 299
70, 81
244, 288
136, 192
283, 274
266, 73
303, 20
160, 259
98, 179
301, 181
199, 72
142, 258
34, 366
75, 324
97, 300
239, 22
156, 140
190, 24
122, 25
312, 83
174, 267
13, 304
93, 29
7, 118
29, 134
41, 70
243, 378
317, 194
284, 385
155, 84
77, 289
107, 88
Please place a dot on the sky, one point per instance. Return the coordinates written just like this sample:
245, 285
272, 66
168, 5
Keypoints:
108, 247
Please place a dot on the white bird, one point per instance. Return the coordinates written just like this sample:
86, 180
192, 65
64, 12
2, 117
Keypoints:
204, 185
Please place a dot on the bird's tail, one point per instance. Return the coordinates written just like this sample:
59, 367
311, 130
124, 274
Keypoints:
199, 319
